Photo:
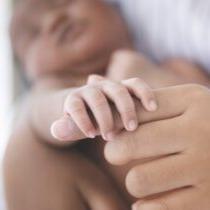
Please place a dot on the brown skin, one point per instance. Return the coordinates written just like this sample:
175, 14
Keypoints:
54, 65
156, 76
52, 72
178, 133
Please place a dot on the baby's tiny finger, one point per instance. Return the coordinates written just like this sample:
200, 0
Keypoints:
94, 78
75, 107
121, 97
142, 91
101, 110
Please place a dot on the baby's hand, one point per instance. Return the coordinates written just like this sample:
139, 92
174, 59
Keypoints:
89, 105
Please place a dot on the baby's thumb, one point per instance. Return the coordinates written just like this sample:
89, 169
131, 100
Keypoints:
65, 129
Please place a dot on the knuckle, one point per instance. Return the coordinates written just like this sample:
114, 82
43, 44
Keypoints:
146, 92
73, 104
84, 123
76, 110
90, 78
99, 100
95, 79
163, 205
126, 55
118, 54
120, 152
116, 158
128, 111
137, 183
195, 91
88, 88
134, 81
120, 91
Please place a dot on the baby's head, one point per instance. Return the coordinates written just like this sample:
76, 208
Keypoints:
56, 36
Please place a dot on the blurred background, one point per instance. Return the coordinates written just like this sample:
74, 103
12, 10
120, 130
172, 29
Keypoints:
6, 83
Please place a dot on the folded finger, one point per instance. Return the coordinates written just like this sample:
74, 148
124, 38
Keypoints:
124, 103
150, 140
143, 92
101, 111
159, 176
100, 193
186, 199
94, 78
76, 108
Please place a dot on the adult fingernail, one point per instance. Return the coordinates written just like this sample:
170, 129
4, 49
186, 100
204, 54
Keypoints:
153, 105
132, 125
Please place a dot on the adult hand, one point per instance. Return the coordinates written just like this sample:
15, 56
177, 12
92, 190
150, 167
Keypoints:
177, 140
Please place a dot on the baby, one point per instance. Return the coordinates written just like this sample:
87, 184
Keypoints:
60, 44
69, 40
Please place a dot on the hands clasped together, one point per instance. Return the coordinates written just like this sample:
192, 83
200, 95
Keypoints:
174, 138
95, 99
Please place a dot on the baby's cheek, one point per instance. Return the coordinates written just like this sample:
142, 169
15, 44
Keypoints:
41, 60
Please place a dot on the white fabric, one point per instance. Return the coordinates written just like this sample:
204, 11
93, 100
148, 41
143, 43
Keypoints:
170, 28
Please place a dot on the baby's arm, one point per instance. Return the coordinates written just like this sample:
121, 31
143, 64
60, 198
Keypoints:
43, 107
127, 63
90, 107
46, 104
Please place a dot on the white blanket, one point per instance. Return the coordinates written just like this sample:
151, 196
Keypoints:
170, 28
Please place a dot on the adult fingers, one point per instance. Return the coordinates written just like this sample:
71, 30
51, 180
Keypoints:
100, 193
159, 176
148, 141
168, 107
186, 199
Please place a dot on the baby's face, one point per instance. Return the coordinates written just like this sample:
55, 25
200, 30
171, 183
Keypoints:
55, 36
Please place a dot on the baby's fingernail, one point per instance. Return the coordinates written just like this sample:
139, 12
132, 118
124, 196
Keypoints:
153, 105
132, 125
135, 207
91, 134
109, 136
